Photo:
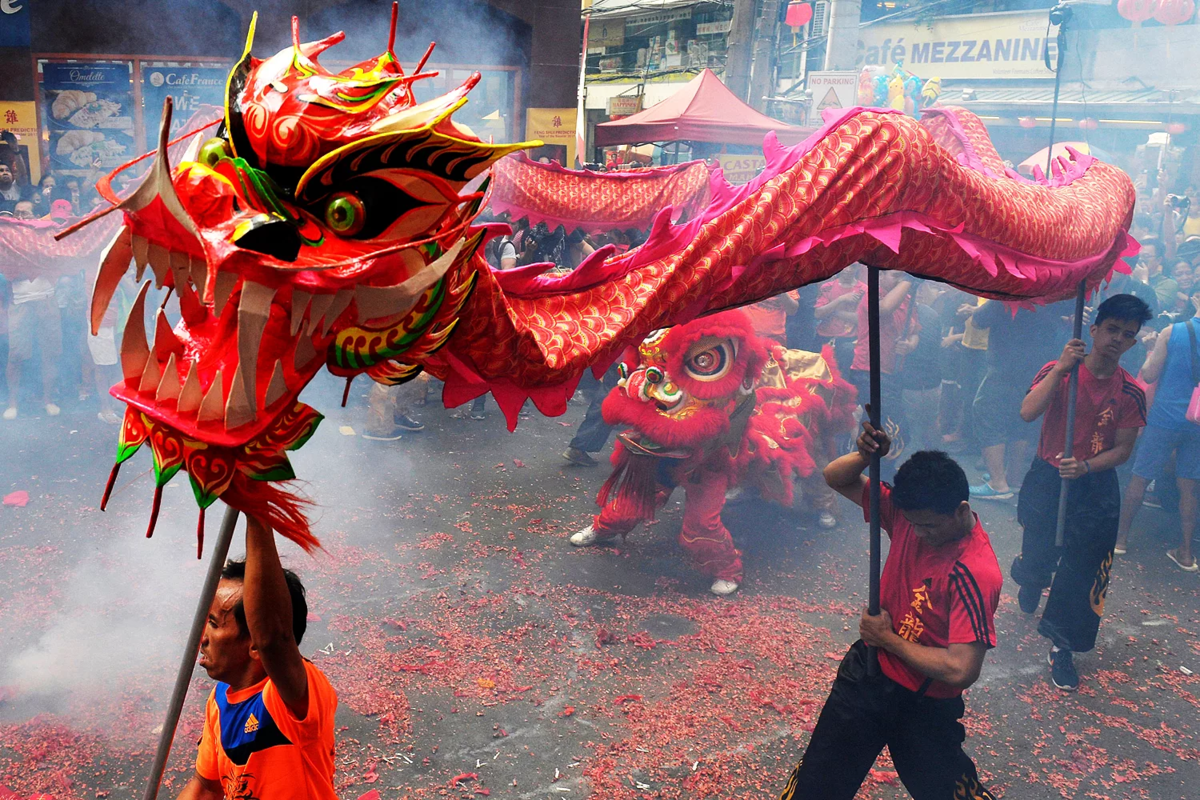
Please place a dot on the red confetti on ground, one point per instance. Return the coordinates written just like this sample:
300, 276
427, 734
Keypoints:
463, 778
19, 499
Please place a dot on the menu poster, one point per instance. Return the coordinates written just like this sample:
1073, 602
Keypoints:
190, 88
87, 110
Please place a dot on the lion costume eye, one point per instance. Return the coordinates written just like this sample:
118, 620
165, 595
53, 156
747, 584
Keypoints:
711, 364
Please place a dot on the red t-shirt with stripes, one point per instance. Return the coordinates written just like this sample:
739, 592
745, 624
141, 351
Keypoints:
936, 596
1102, 407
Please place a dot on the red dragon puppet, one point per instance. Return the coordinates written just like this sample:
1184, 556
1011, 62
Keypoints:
328, 224
714, 408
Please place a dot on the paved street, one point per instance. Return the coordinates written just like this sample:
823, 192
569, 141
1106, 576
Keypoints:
476, 653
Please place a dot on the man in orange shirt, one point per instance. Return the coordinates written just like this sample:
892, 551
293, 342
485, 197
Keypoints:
268, 725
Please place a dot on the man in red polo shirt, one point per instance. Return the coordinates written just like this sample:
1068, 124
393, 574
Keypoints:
1109, 410
938, 595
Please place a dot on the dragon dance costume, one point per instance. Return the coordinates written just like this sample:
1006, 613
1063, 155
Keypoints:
714, 408
327, 222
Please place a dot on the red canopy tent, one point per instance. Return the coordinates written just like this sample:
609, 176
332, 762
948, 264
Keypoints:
702, 111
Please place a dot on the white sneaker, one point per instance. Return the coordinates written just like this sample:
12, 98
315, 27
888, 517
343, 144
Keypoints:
52, 410
584, 537
10, 412
723, 587
827, 521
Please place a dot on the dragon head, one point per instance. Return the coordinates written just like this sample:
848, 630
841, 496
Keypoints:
327, 223
690, 382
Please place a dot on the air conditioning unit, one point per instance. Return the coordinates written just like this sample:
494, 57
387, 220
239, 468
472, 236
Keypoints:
820, 18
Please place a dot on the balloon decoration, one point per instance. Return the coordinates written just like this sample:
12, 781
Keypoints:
1173, 12
798, 14
1137, 11
897, 88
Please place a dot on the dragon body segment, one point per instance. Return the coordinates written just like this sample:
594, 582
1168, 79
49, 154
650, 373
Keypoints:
328, 222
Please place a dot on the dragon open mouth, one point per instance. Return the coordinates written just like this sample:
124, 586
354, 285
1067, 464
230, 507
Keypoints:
328, 223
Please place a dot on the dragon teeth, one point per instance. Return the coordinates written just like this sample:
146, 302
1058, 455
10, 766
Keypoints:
239, 409
168, 387
141, 255
320, 304
135, 350
212, 408
160, 262
151, 376
165, 340
277, 388
300, 301
222, 288
340, 301
190, 395
114, 263
254, 308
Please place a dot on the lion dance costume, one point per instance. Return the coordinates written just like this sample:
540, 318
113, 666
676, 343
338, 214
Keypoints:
328, 222
713, 407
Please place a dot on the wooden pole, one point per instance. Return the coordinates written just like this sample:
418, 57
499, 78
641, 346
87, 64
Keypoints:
1072, 393
188, 664
875, 415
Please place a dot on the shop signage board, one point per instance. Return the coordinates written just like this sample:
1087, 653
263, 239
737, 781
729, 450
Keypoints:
88, 112
714, 28
740, 169
660, 16
1002, 45
190, 87
624, 105
831, 90
14, 23
606, 33
20, 118
553, 126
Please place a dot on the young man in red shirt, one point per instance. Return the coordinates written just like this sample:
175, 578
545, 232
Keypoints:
938, 595
1109, 409
268, 725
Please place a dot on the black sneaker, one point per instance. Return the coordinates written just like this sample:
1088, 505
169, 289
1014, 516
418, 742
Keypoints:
407, 423
1062, 670
579, 457
1028, 597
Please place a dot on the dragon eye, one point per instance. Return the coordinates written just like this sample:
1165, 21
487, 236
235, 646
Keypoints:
711, 364
345, 214
213, 151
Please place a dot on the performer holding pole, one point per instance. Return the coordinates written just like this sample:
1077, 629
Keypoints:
926, 630
1082, 482
268, 725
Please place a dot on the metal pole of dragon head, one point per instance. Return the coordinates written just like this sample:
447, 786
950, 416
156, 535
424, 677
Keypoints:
1072, 393
876, 414
188, 663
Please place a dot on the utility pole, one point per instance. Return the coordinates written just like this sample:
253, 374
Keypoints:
842, 51
762, 73
741, 48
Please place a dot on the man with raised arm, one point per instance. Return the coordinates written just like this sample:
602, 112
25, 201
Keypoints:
268, 725
938, 596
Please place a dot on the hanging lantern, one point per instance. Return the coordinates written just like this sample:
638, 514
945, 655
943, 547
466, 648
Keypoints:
1088, 124
1176, 128
798, 14
1027, 122
1137, 11
1174, 12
